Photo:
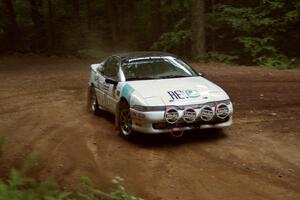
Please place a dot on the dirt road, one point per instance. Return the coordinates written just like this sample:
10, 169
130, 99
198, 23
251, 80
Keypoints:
43, 109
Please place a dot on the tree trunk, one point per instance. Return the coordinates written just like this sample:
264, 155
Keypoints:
198, 29
40, 40
213, 34
51, 24
156, 19
76, 16
126, 14
90, 5
77, 32
11, 24
89, 14
112, 19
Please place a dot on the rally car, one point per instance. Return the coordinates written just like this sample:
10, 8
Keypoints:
156, 92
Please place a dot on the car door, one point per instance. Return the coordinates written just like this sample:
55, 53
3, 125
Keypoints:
111, 71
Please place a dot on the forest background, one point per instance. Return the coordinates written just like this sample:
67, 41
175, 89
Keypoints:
248, 32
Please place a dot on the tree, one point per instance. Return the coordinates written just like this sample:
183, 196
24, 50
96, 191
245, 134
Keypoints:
76, 15
156, 20
51, 24
198, 28
112, 20
258, 31
240, 31
77, 29
12, 31
90, 13
40, 40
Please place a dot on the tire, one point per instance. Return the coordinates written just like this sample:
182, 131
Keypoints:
93, 102
125, 122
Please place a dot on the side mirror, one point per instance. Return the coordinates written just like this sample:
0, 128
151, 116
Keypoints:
110, 81
201, 74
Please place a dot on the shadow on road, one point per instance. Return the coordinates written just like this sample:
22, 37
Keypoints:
196, 136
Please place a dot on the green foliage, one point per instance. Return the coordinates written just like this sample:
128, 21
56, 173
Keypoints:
279, 61
20, 187
172, 40
258, 29
88, 192
264, 54
220, 57
173, 6
177, 34
257, 46
255, 19
264, 32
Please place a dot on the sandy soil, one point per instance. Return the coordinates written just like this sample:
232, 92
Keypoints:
43, 110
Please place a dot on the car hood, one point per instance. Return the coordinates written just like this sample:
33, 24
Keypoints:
178, 91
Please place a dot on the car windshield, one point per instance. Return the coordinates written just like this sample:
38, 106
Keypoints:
156, 68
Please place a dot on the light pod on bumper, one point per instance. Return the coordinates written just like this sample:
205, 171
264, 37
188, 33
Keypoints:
207, 113
189, 115
222, 111
171, 115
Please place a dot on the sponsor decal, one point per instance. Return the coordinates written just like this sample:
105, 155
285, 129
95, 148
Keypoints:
183, 94
105, 87
126, 92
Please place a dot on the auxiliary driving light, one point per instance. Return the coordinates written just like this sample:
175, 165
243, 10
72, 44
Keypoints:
171, 115
207, 113
189, 115
222, 111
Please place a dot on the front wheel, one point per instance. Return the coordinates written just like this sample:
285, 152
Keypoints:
125, 122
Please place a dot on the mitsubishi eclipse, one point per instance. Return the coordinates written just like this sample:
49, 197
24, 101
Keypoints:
156, 92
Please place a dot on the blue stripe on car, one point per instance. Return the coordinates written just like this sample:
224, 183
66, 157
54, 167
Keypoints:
126, 92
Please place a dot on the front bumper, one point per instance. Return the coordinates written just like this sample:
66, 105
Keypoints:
153, 122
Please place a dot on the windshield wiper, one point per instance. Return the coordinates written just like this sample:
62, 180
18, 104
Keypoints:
140, 78
174, 76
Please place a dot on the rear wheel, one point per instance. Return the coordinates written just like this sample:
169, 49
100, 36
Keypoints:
125, 122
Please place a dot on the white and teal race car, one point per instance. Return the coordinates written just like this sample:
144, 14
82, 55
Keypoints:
155, 92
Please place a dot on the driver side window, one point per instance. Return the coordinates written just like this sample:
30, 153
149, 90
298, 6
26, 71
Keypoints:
111, 68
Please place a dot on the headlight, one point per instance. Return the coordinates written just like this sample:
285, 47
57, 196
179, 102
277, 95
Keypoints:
148, 108
139, 108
